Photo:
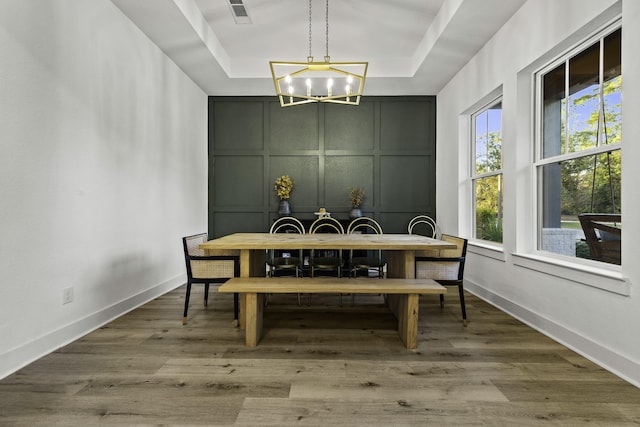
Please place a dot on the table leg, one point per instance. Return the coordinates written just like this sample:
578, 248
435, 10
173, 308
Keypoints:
253, 318
401, 264
252, 264
408, 319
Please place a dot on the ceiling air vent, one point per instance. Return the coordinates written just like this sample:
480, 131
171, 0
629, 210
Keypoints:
239, 12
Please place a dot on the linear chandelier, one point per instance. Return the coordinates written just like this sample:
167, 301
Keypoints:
299, 83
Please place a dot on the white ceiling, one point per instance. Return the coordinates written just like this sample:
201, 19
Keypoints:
414, 47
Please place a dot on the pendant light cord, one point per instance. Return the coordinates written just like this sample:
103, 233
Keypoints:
310, 57
326, 56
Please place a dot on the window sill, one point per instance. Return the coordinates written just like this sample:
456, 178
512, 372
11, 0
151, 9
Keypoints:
608, 279
485, 249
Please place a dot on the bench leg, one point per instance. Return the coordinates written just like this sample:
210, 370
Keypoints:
253, 318
408, 319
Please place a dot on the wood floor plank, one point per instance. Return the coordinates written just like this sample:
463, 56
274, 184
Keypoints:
397, 412
316, 365
252, 368
385, 388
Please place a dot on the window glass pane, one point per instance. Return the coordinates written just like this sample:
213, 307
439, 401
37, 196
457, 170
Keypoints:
612, 89
488, 192
584, 98
578, 116
481, 142
589, 184
612, 55
554, 108
488, 144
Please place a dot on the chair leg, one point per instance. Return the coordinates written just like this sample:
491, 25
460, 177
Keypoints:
441, 301
206, 294
298, 272
236, 310
186, 303
464, 309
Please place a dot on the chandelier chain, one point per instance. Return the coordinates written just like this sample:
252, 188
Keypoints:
326, 59
310, 54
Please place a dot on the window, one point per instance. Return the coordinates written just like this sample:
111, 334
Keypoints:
486, 172
579, 138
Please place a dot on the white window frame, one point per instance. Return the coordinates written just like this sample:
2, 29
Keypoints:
607, 277
540, 161
474, 176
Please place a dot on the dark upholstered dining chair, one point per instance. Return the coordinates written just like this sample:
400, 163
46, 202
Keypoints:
326, 260
286, 261
206, 269
372, 261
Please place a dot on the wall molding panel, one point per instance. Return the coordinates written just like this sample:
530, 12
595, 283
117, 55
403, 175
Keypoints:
385, 145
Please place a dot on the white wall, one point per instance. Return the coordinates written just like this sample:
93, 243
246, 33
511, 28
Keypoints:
566, 303
103, 169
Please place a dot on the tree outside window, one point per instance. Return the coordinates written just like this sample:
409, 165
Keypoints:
487, 172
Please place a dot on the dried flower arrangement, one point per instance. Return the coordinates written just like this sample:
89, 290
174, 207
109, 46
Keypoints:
283, 187
357, 195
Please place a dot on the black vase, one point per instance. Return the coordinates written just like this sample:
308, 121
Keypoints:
355, 213
284, 209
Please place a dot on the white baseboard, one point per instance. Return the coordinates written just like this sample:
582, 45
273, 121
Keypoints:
608, 359
23, 355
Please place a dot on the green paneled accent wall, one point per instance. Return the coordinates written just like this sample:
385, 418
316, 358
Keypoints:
386, 145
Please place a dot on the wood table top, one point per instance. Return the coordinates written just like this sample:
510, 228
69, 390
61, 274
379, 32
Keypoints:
326, 241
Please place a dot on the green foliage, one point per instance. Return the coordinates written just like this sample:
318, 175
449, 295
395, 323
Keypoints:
493, 160
488, 225
582, 250
592, 183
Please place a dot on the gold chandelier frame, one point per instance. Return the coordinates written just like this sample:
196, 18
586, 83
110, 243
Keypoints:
299, 83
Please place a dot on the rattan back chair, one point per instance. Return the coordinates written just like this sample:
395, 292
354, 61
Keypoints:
207, 269
447, 268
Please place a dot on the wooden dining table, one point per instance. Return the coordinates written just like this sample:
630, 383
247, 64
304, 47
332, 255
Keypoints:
400, 249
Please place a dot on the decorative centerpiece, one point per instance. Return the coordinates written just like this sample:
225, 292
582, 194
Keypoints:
357, 195
322, 213
283, 187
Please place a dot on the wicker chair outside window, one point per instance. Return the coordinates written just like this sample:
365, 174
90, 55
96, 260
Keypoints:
207, 270
604, 245
423, 225
447, 268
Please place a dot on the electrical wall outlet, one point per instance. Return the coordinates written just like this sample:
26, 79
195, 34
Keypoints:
67, 295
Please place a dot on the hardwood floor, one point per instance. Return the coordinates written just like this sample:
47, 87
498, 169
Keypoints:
316, 365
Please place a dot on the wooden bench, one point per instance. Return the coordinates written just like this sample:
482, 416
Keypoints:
402, 298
